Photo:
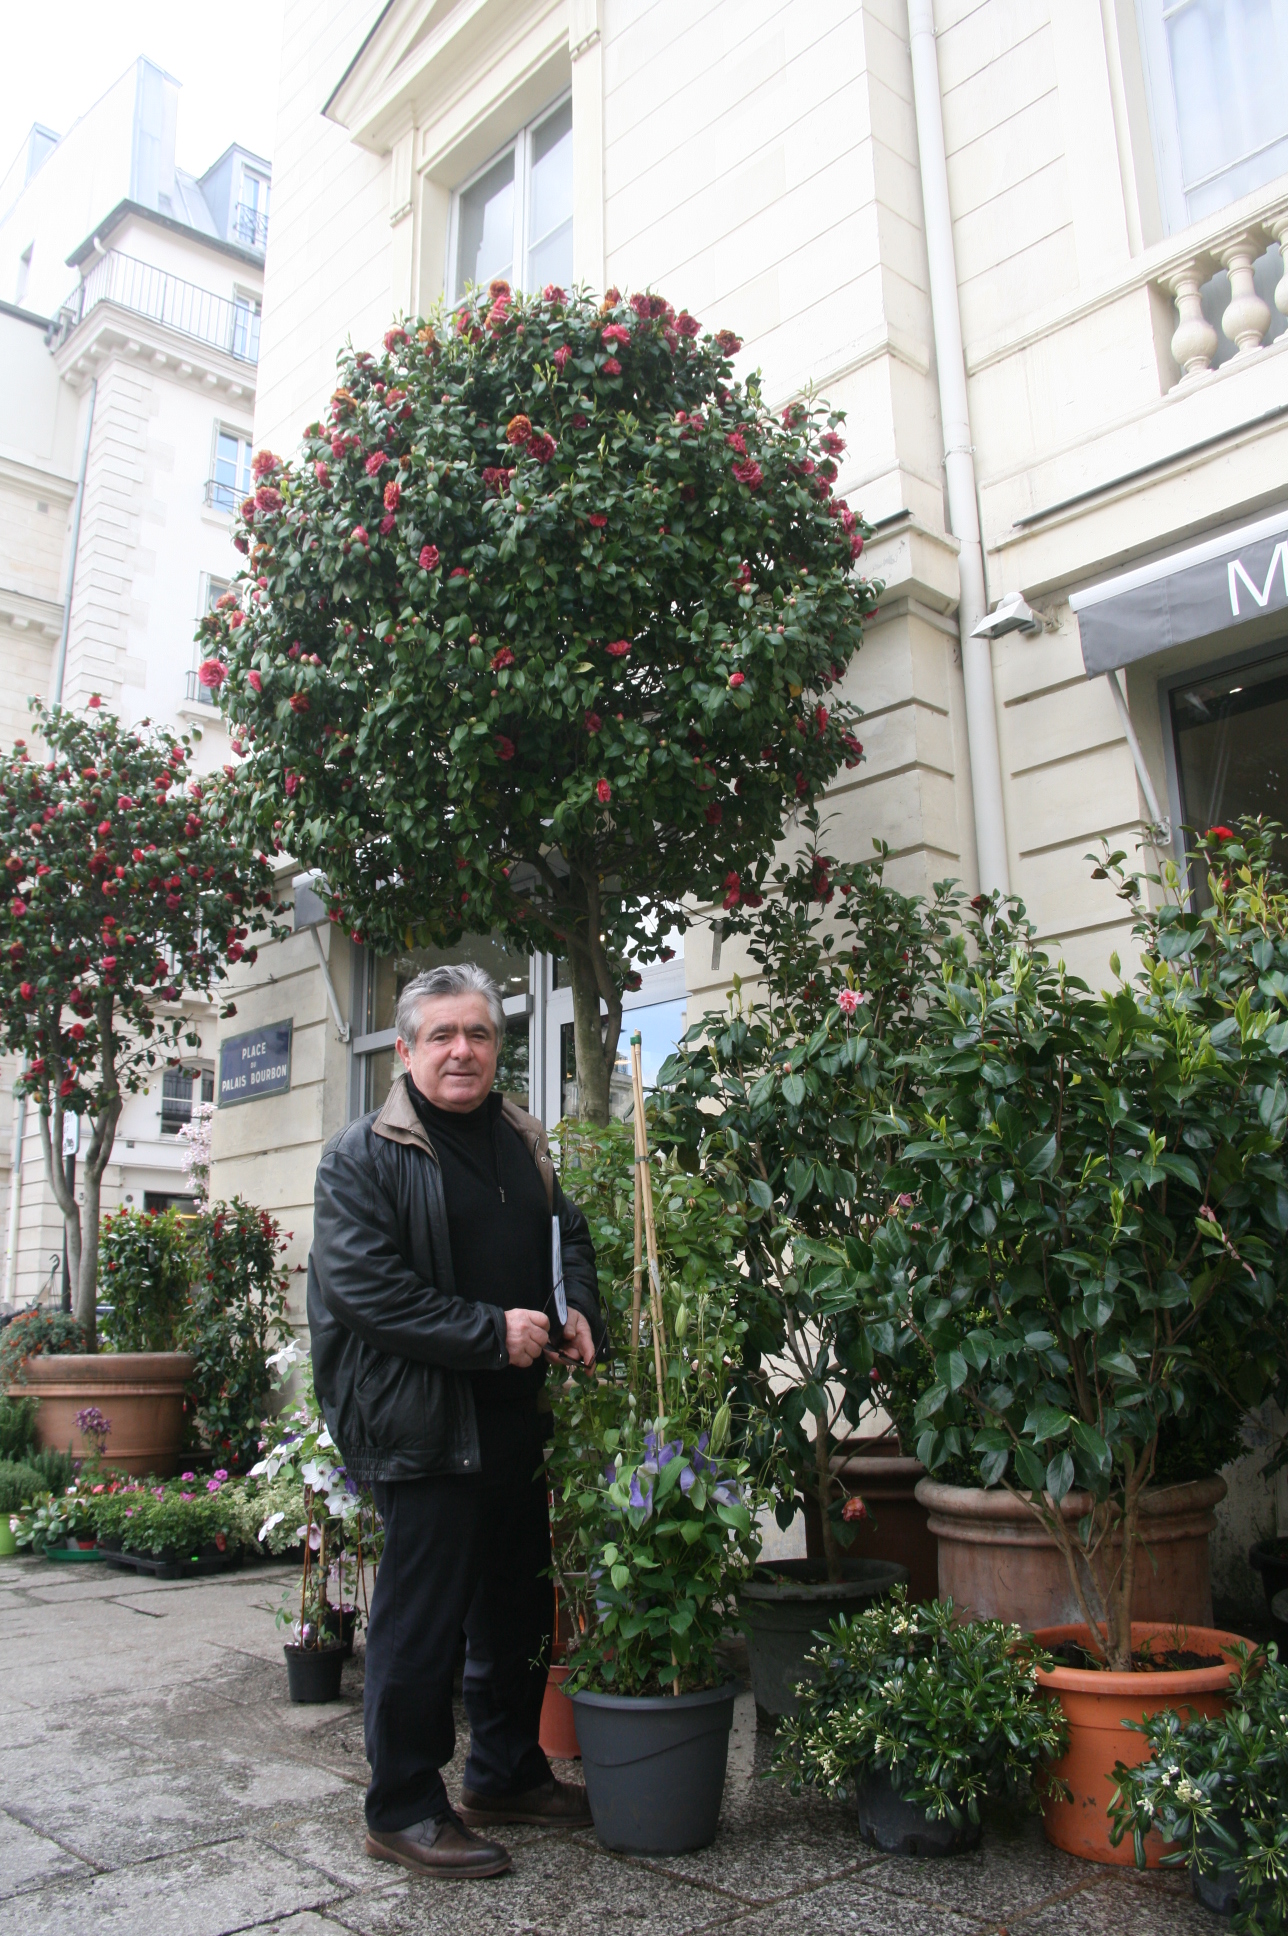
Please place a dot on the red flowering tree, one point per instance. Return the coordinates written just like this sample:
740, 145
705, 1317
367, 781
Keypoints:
537, 634
126, 888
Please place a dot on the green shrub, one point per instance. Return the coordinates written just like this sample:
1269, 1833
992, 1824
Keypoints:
144, 1272
18, 1484
236, 1316
33, 1331
17, 1427
57, 1469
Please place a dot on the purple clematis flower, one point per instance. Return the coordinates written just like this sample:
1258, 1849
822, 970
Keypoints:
687, 1478
641, 1500
727, 1493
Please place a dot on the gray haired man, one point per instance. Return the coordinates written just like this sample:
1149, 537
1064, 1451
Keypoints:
433, 1307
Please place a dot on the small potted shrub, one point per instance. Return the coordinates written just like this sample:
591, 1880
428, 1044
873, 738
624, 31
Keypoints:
917, 1719
1091, 1255
1215, 1788
19, 1484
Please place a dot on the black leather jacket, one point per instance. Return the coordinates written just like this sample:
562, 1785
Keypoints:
392, 1343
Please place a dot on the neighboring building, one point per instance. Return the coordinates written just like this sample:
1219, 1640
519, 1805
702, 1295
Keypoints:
129, 340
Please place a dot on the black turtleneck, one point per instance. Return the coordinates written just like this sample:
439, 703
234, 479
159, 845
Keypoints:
498, 1222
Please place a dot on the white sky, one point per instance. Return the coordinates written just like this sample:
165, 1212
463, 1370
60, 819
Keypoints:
57, 63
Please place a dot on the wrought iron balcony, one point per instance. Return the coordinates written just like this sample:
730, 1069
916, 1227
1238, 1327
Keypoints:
221, 496
249, 227
232, 326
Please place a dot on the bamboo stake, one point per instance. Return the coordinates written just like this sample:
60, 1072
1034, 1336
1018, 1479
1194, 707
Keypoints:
639, 1266
644, 1177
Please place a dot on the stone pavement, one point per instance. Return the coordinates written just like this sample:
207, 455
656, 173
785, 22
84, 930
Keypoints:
155, 1781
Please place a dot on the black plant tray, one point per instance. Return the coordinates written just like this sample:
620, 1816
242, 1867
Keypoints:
163, 1569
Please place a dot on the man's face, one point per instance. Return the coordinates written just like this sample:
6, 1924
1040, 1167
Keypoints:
453, 1059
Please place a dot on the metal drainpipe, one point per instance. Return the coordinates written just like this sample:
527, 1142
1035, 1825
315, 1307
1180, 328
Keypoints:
959, 460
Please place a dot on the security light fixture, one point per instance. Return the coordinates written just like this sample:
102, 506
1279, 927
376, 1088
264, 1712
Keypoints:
1010, 614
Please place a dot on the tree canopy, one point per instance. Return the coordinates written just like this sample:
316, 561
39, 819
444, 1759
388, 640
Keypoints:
537, 634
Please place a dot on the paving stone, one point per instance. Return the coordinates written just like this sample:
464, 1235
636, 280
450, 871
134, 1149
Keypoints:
1119, 1907
206, 1892
1014, 1872
28, 1858
852, 1907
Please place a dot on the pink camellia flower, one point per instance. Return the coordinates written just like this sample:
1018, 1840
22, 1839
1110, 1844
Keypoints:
853, 1510
540, 446
212, 673
552, 293
598, 520
268, 498
322, 475
502, 659
264, 464
831, 443
375, 462
292, 782
387, 524
737, 679
848, 1001
603, 793
393, 491
158, 1492
856, 546
593, 723
611, 367
504, 747
727, 343
255, 681
236, 620
458, 571
616, 333
618, 649
563, 356
736, 441
394, 337
750, 474
686, 325
360, 535
428, 559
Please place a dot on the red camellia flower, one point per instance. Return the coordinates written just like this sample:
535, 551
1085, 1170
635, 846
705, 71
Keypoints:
733, 890
395, 336
603, 793
94, 702
375, 462
821, 717
387, 524
504, 747
552, 293
1220, 833
563, 355
268, 498
598, 519
27, 992
254, 681
727, 343
540, 447
616, 333
502, 659
360, 535
831, 443
611, 367
802, 786
686, 325
854, 746
715, 813
211, 673
749, 474
458, 571
299, 702
174, 901
736, 441
292, 782
579, 422
853, 1510
393, 491
77, 1031
518, 430
264, 464
67, 1087
17, 908
593, 722
108, 964
236, 620
428, 557
618, 649
322, 474
856, 546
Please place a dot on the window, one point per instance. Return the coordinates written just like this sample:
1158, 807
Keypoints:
514, 219
24, 273
250, 212
231, 479
213, 590
1230, 732
246, 312
1217, 74
177, 1096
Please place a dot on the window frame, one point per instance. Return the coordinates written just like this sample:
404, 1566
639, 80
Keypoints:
520, 146
213, 484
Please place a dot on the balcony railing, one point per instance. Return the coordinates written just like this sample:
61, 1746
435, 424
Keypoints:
221, 496
232, 326
249, 227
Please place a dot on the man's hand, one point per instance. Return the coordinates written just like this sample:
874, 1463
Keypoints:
527, 1333
578, 1343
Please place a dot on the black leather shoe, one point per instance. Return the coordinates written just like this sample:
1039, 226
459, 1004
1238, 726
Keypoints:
441, 1847
557, 1804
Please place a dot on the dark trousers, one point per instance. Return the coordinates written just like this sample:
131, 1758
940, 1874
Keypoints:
461, 1553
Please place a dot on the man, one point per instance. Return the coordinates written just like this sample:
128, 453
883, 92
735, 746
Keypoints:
432, 1308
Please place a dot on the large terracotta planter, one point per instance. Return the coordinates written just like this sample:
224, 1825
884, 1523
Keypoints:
1096, 1705
141, 1392
558, 1734
898, 1528
997, 1563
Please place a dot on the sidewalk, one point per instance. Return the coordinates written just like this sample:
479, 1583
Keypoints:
154, 1781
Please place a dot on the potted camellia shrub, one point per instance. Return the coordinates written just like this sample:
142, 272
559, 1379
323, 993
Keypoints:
916, 1718
1212, 1794
788, 1104
1093, 1255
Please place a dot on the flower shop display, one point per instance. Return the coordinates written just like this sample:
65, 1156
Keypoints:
126, 884
916, 1717
143, 1392
664, 1531
1212, 1794
236, 1318
561, 540
176, 1529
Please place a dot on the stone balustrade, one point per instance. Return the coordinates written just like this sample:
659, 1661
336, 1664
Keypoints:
1247, 317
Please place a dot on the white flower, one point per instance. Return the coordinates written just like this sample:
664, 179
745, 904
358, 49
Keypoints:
316, 1474
274, 1519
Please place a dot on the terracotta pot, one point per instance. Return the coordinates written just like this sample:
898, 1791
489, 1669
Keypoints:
558, 1718
899, 1526
141, 1392
1096, 1706
997, 1563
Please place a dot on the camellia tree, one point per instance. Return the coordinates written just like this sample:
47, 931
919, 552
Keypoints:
536, 635
126, 888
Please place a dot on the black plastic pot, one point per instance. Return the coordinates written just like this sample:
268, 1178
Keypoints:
655, 1767
313, 1673
897, 1827
784, 1605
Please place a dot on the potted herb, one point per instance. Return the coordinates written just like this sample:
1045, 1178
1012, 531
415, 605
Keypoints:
917, 1718
1214, 1788
1095, 1255
788, 1104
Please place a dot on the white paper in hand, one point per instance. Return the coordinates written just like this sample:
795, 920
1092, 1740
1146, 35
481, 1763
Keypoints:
556, 1261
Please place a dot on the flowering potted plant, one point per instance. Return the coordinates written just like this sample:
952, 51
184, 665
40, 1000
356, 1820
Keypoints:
917, 1717
1095, 1255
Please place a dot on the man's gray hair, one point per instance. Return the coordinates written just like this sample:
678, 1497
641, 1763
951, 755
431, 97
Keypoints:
450, 978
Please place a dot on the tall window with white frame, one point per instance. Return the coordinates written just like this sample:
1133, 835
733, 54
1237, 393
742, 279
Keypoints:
514, 218
1217, 76
212, 590
230, 470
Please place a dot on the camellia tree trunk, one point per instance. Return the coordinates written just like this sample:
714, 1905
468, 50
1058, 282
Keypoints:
82, 1235
595, 1036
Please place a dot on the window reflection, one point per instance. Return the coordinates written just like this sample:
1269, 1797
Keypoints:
660, 1027
1232, 746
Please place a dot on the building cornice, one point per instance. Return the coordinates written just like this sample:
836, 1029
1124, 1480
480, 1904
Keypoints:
127, 209
30, 477
112, 330
23, 613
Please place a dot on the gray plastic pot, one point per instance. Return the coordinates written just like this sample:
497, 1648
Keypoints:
784, 1605
898, 1827
655, 1767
